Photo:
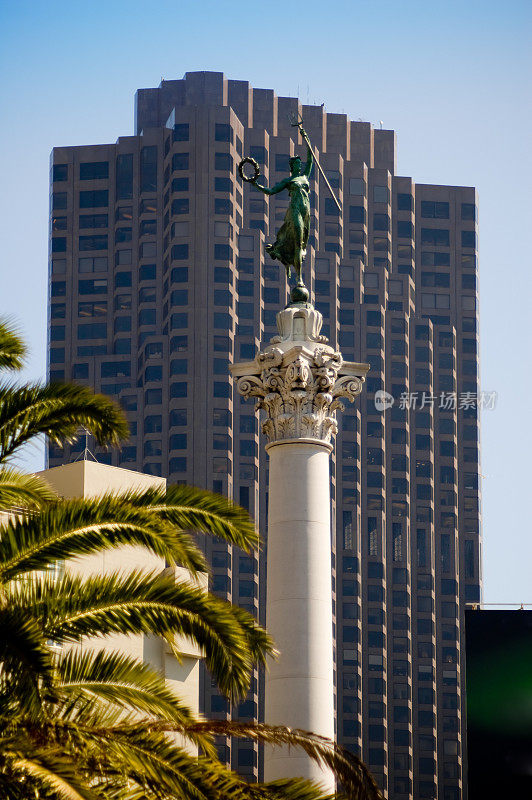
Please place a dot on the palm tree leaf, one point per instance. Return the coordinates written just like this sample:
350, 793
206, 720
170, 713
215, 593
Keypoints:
138, 602
58, 411
21, 491
79, 527
126, 682
50, 770
27, 670
195, 509
12, 348
350, 770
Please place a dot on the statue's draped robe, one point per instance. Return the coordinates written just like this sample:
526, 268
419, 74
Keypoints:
290, 246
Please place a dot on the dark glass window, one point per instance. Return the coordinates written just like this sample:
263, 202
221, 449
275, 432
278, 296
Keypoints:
223, 161
59, 223
404, 202
148, 227
180, 185
469, 239
93, 242
222, 252
331, 209
180, 206
59, 201
94, 170
59, 172
123, 235
222, 205
59, 244
180, 161
93, 221
147, 272
357, 214
94, 199
431, 209
180, 252
435, 236
222, 185
181, 132
260, 154
381, 222
469, 211
148, 169
405, 230
97, 286
430, 259
223, 132
124, 176
435, 279
94, 330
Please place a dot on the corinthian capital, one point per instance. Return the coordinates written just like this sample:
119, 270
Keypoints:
298, 379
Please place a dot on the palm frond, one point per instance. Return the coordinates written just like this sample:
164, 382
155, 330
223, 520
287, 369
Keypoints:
44, 771
78, 527
58, 411
195, 509
27, 670
349, 770
12, 347
118, 679
72, 607
21, 491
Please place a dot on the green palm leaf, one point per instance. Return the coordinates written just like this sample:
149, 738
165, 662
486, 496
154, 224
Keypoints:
351, 771
74, 528
73, 607
18, 491
45, 769
118, 679
12, 348
194, 509
58, 411
26, 667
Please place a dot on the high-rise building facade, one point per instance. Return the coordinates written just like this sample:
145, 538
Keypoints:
159, 279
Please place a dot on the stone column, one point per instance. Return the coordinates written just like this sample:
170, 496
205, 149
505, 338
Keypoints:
298, 380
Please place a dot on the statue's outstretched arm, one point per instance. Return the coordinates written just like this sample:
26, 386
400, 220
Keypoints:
274, 189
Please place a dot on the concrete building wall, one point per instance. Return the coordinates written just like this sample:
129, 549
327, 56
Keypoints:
188, 289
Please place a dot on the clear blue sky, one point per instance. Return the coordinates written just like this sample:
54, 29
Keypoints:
452, 78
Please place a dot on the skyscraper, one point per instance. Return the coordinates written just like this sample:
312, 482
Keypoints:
159, 279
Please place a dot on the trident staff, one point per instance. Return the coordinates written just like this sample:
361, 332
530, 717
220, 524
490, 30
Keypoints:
299, 124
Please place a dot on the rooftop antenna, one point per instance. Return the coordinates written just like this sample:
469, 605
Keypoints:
86, 454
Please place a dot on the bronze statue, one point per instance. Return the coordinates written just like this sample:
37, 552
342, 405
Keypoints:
290, 247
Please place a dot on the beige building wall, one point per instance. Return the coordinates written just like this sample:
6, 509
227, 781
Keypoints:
92, 479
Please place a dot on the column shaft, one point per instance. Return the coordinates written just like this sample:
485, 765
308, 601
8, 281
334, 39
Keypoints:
299, 686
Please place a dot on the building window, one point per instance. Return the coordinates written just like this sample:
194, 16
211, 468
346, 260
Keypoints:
95, 170
469, 211
469, 239
431, 209
124, 176
405, 230
357, 214
94, 199
438, 237
380, 194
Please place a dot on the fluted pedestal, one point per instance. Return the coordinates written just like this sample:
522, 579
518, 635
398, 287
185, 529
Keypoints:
298, 380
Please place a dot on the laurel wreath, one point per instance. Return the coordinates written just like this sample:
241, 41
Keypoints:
255, 166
